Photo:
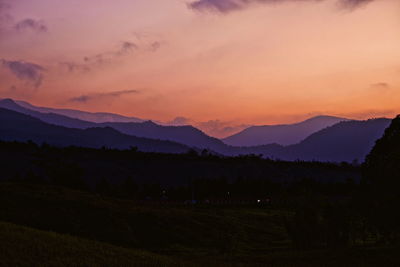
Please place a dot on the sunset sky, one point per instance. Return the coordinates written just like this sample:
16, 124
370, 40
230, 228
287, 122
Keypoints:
237, 61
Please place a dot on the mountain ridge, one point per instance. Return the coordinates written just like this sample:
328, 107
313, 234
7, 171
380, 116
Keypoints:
343, 141
15, 126
283, 134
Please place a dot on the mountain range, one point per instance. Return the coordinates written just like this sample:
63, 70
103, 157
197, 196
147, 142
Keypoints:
344, 140
97, 117
285, 134
16, 126
186, 135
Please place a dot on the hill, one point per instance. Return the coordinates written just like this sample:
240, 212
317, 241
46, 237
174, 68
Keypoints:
345, 141
96, 117
169, 170
286, 134
186, 135
16, 126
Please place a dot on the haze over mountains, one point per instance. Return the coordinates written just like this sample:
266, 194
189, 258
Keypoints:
16, 126
186, 135
285, 134
97, 117
342, 140
215, 128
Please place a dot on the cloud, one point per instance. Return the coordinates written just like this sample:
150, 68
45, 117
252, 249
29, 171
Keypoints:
222, 6
127, 47
380, 85
8, 23
179, 121
96, 96
31, 25
5, 16
227, 6
220, 129
25, 71
72, 66
215, 128
371, 113
353, 4
124, 48
154, 46
89, 62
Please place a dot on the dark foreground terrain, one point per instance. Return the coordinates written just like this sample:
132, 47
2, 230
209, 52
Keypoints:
54, 226
81, 207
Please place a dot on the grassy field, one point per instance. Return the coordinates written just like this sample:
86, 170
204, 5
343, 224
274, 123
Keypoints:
125, 223
53, 226
23, 246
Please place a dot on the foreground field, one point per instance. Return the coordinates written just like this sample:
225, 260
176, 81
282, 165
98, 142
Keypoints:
23, 246
53, 226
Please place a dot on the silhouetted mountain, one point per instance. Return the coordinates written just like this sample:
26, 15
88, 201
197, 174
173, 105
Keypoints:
16, 126
97, 117
285, 134
344, 141
186, 135
50, 118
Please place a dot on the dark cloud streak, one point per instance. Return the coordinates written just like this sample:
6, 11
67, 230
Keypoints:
25, 71
32, 25
227, 6
125, 48
8, 23
5, 16
95, 96
382, 85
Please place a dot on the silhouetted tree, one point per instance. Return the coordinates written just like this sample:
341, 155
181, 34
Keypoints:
381, 180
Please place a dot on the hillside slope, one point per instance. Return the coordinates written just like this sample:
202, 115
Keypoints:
186, 135
16, 126
96, 117
345, 141
286, 134
24, 246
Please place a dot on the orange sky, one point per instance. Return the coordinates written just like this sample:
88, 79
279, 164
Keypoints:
159, 59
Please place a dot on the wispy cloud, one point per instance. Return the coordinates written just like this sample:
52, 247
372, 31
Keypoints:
154, 46
124, 48
31, 25
215, 128
220, 129
353, 4
8, 24
95, 96
380, 85
226, 6
89, 62
5, 16
26, 71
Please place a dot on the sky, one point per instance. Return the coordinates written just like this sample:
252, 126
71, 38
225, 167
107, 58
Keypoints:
229, 63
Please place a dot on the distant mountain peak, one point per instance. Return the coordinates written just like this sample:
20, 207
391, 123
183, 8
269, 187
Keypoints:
8, 101
149, 122
324, 117
284, 134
